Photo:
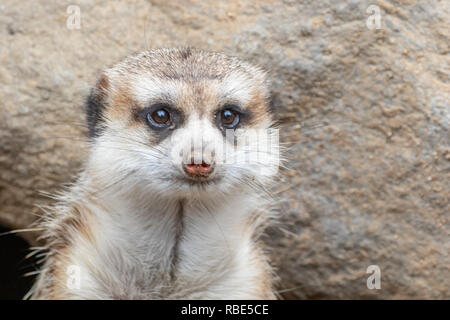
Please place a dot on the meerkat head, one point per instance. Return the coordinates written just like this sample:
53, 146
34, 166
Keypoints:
181, 122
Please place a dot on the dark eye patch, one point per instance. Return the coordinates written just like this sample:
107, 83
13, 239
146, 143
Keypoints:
243, 116
160, 118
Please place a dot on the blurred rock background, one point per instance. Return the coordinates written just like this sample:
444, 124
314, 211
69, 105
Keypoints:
365, 112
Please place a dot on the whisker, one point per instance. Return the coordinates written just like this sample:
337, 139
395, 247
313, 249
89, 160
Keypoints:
97, 192
20, 231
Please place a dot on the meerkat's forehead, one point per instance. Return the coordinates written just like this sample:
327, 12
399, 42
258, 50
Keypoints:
186, 64
165, 72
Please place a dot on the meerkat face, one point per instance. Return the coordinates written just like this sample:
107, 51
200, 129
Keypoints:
182, 122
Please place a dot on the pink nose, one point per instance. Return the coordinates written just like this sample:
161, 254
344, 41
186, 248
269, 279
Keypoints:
200, 170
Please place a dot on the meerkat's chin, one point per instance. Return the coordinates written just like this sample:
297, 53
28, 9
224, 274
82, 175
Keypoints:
199, 183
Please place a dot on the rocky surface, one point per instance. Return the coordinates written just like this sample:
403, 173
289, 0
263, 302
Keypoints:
365, 113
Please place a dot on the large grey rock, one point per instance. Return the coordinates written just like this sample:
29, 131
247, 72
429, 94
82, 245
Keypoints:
365, 113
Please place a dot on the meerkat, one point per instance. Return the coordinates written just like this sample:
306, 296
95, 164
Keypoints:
151, 216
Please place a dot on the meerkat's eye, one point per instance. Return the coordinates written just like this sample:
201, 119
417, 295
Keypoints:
229, 118
159, 118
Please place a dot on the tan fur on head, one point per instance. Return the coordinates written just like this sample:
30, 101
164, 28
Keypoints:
137, 224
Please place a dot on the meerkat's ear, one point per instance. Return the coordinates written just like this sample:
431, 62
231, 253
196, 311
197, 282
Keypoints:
274, 102
95, 106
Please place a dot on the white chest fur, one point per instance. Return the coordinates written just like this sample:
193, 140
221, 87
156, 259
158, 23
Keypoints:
170, 249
